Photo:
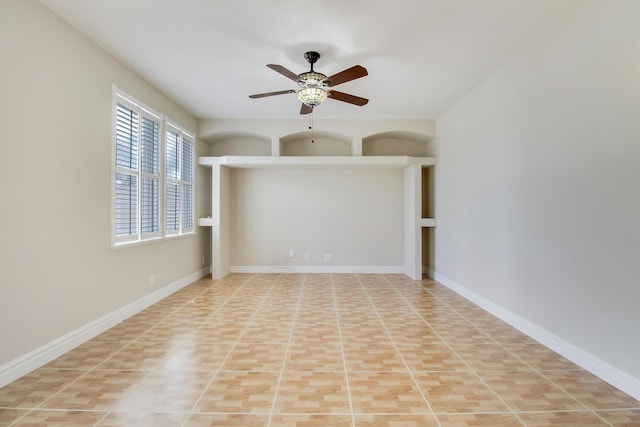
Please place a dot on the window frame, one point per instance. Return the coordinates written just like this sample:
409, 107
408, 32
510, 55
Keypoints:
143, 111
184, 228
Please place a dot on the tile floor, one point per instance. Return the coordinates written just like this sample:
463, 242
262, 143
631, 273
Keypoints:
313, 350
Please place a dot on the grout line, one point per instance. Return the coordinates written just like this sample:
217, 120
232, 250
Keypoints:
286, 353
344, 359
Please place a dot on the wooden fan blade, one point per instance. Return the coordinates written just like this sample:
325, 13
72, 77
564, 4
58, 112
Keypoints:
262, 95
287, 73
347, 75
345, 97
305, 109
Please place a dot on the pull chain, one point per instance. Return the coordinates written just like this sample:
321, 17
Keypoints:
311, 126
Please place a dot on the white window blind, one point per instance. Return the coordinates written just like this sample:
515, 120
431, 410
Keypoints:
178, 181
137, 173
152, 190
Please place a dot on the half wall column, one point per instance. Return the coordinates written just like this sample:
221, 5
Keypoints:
356, 146
275, 146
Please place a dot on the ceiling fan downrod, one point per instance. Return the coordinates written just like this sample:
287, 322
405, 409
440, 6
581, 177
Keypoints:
311, 57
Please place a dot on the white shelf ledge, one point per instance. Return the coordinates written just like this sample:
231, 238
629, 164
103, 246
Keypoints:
316, 161
427, 222
205, 222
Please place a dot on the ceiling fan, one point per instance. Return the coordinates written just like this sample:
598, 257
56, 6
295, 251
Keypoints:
316, 87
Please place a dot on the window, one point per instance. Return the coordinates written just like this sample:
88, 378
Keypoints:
139, 181
178, 181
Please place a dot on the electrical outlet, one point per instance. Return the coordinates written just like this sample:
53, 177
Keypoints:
202, 260
292, 254
152, 280
327, 257
307, 257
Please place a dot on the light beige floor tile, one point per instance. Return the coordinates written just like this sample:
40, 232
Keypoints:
142, 355
395, 420
592, 391
621, 418
539, 356
191, 314
271, 332
315, 316
165, 390
274, 316
488, 356
142, 419
363, 333
304, 356
372, 357
51, 418
457, 392
97, 390
385, 392
126, 331
256, 357
86, 356
236, 316
562, 419
197, 356
315, 333
310, 420
226, 420
459, 331
439, 317
36, 387
7, 416
414, 335
404, 316
170, 331
479, 420
240, 392
219, 333
435, 357
529, 391
312, 392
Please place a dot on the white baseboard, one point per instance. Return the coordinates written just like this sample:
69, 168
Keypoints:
44, 354
428, 271
317, 269
605, 371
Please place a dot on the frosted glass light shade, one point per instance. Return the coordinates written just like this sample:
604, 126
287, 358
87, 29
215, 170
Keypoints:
312, 96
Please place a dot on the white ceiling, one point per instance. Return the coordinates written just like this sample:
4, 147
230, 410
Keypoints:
209, 55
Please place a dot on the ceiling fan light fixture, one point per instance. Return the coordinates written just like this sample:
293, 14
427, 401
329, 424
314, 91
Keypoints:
312, 96
311, 78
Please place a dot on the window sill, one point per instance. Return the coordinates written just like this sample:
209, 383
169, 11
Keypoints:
177, 236
122, 245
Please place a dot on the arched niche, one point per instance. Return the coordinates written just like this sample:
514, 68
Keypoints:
237, 143
398, 143
316, 143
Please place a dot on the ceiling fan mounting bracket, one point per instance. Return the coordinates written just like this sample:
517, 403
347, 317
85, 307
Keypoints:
311, 57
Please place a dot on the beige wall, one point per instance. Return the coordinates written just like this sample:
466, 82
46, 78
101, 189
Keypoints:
57, 271
537, 184
354, 215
